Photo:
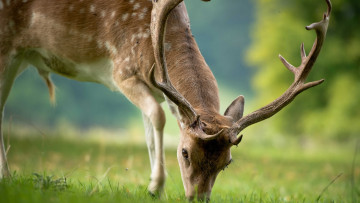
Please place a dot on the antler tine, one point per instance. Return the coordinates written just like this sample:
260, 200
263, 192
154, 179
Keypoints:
329, 8
303, 53
287, 64
159, 14
297, 86
205, 137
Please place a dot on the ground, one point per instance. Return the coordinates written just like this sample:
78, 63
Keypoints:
58, 168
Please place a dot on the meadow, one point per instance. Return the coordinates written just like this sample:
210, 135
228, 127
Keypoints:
60, 167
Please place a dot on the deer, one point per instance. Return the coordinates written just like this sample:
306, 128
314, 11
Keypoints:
145, 50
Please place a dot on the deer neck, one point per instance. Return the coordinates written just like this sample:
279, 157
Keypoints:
188, 71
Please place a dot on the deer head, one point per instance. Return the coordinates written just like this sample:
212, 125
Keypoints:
206, 135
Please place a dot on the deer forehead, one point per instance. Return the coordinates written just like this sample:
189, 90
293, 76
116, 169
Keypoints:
210, 157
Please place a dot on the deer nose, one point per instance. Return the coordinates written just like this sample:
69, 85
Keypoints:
200, 197
203, 197
190, 198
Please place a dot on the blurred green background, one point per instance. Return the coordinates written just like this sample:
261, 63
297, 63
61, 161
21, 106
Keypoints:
240, 41
291, 157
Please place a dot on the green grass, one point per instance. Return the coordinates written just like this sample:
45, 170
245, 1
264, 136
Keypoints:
62, 169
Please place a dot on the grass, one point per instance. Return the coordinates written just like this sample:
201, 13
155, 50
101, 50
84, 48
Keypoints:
62, 169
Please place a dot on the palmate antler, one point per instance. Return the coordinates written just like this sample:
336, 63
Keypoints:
299, 85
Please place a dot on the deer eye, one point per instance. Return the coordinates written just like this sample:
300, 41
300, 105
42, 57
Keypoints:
185, 153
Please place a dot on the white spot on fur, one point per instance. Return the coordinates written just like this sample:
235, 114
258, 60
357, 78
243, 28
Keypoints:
99, 44
118, 60
132, 1
143, 13
127, 59
34, 17
167, 46
146, 34
133, 37
1, 5
24, 1
113, 14
118, 72
136, 6
175, 28
111, 48
133, 50
8, 2
92, 8
141, 16
103, 14
139, 35
133, 14
125, 16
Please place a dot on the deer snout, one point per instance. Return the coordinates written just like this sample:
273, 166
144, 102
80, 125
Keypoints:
203, 197
201, 191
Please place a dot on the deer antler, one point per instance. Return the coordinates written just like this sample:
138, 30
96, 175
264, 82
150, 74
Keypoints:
159, 14
296, 87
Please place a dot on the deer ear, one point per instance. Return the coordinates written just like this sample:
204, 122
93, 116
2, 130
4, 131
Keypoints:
236, 109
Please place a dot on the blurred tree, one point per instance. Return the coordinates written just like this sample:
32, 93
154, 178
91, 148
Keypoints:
330, 109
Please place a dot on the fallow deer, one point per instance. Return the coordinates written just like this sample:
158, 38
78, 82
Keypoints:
145, 50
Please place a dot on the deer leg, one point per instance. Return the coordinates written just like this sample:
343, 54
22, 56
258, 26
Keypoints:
149, 136
5, 172
140, 95
8, 74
